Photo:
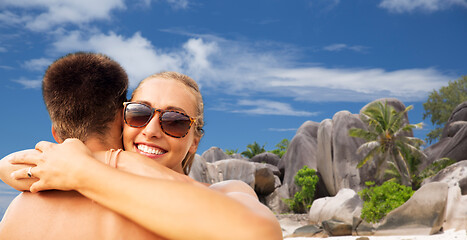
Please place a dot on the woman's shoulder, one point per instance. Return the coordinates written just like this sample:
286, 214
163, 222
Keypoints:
233, 186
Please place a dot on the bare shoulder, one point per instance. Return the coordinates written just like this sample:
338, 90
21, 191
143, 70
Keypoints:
233, 186
244, 194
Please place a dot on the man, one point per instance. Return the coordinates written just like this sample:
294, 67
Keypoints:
84, 95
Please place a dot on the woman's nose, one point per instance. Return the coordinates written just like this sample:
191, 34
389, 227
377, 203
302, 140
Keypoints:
153, 128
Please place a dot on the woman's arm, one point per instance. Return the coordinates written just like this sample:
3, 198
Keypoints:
173, 209
128, 161
6, 169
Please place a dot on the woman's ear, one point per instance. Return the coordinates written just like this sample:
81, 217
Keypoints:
194, 145
56, 137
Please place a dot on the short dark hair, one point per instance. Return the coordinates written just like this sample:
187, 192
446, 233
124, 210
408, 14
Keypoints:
83, 92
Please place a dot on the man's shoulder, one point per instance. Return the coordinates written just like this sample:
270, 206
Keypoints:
61, 214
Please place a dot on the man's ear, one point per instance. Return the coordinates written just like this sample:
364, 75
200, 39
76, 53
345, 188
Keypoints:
56, 137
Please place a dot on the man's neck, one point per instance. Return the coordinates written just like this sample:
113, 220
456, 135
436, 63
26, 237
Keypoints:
96, 144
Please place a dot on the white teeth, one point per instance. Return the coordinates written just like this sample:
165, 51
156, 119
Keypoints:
150, 150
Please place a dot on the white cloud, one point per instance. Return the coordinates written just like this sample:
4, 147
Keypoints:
7, 18
178, 4
27, 83
267, 107
335, 47
197, 57
401, 6
248, 69
136, 54
44, 15
175, 4
39, 64
6, 67
328, 84
340, 46
324, 5
50, 13
2, 49
243, 69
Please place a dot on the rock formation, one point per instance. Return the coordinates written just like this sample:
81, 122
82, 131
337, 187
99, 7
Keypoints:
328, 148
301, 152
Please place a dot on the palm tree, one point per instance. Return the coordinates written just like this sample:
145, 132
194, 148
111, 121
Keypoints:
253, 150
387, 142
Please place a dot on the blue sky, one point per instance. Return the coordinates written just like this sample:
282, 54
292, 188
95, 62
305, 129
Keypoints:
264, 67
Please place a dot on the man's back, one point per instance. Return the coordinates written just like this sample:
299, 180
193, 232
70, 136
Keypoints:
65, 215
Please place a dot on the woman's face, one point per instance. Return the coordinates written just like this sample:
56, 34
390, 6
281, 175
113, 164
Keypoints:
150, 140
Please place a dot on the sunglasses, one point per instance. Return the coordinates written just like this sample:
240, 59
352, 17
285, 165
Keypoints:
173, 123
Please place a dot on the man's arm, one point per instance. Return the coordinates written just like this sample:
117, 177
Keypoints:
6, 168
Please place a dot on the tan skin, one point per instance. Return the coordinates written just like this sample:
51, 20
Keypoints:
170, 204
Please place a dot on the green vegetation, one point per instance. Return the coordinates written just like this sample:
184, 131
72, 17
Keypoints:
386, 142
231, 151
440, 105
306, 178
431, 170
253, 150
281, 148
380, 200
413, 160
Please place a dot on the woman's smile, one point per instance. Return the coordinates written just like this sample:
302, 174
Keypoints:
150, 151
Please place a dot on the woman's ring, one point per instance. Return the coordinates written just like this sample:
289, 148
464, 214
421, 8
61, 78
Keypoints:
29, 172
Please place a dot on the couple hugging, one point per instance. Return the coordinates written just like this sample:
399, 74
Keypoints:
98, 191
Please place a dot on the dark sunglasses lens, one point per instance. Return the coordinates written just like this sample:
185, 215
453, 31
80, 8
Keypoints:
175, 124
137, 115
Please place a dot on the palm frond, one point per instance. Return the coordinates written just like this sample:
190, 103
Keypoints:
402, 166
368, 145
369, 156
361, 133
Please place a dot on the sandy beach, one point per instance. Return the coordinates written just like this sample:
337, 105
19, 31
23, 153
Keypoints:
448, 235
290, 222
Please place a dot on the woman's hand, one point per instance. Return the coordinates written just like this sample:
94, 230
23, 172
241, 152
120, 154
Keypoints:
59, 166
6, 170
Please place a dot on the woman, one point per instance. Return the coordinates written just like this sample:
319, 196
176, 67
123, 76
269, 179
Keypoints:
164, 122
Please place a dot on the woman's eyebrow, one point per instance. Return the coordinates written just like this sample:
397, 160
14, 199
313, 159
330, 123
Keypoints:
166, 108
142, 101
175, 108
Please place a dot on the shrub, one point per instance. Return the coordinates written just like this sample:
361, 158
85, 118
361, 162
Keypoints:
431, 170
281, 148
380, 200
306, 178
231, 151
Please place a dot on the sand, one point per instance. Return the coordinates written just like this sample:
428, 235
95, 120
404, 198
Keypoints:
290, 222
447, 235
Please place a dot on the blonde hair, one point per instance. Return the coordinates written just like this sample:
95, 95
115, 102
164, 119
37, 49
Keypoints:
198, 125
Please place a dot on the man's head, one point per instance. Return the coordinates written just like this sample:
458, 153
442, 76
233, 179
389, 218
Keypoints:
83, 92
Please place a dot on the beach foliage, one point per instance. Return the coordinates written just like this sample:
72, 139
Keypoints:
253, 150
231, 151
281, 147
378, 201
441, 103
388, 140
431, 170
306, 179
